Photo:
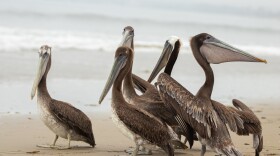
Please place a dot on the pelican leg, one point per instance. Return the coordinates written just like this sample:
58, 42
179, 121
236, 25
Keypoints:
55, 139
143, 147
141, 151
203, 150
49, 146
135, 152
68, 147
144, 151
63, 148
140, 148
69, 139
185, 141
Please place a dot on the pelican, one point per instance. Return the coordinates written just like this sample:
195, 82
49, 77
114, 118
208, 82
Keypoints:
135, 122
60, 117
206, 116
150, 100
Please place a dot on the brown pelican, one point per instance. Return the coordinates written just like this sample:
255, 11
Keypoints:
151, 93
130, 95
206, 116
135, 122
150, 100
60, 117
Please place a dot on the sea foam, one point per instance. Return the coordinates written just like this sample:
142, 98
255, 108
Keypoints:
20, 39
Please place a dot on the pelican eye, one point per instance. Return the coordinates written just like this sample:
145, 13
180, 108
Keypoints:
121, 54
208, 37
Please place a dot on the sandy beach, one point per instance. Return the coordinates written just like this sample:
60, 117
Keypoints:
21, 133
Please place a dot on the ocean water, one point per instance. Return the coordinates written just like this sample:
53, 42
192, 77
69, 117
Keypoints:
80, 31
252, 25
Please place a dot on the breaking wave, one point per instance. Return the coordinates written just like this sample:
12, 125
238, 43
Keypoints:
18, 39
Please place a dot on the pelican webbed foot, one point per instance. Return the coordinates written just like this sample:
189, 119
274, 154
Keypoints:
53, 146
45, 146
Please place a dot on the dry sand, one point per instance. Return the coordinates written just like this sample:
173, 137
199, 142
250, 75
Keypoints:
21, 133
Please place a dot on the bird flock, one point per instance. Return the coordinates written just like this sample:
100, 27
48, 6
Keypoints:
163, 112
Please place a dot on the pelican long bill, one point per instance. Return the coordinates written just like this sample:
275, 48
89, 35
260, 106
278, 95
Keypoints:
42, 64
216, 51
166, 52
119, 63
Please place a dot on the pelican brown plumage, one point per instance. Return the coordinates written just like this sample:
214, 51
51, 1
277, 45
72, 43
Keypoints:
60, 117
135, 122
151, 93
206, 116
150, 100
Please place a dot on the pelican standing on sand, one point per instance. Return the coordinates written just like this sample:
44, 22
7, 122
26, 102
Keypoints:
206, 116
60, 117
136, 122
150, 100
